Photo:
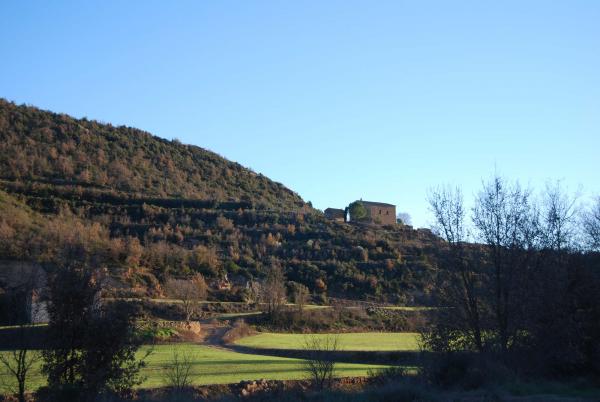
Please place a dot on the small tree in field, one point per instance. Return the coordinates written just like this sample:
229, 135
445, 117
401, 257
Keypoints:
320, 364
18, 362
178, 371
189, 292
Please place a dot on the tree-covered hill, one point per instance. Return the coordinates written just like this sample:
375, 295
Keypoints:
41, 146
147, 209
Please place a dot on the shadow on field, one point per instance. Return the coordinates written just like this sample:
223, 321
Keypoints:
409, 358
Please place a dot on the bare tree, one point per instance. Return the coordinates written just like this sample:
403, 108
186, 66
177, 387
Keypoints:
447, 205
253, 292
404, 218
178, 371
301, 295
591, 225
558, 221
189, 292
273, 290
553, 319
460, 280
507, 223
320, 364
19, 362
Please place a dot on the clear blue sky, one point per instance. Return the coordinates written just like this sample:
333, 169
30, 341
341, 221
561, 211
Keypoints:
338, 100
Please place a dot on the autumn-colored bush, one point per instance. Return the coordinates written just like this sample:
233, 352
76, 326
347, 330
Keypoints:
239, 330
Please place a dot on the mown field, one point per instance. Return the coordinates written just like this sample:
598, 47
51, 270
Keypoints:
365, 341
215, 366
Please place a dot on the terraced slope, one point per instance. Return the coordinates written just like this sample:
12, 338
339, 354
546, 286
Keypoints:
147, 209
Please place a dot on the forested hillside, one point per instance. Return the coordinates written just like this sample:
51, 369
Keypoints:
148, 209
40, 146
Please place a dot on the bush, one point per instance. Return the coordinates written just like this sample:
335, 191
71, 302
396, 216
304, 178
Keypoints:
153, 333
177, 372
318, 366
240, 330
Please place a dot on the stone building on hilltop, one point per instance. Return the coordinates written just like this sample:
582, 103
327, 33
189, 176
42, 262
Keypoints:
380, 212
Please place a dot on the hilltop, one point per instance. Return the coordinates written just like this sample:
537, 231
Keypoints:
44, 147
147, 209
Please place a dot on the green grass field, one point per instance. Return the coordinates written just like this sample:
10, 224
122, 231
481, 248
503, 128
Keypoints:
366, 341
216, 366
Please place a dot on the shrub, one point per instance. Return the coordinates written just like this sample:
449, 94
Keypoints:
240, 330
153, 333
318, 366
178, 370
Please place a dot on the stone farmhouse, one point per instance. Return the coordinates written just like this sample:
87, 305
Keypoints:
378, 213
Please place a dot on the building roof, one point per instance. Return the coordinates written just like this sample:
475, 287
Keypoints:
335, 212
377, 204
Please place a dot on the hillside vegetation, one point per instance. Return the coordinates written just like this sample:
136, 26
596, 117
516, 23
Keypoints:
45, 147
147, 209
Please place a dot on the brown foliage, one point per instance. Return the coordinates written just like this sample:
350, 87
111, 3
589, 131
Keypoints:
188, 291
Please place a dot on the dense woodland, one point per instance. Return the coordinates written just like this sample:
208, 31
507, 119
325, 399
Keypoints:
147, 209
